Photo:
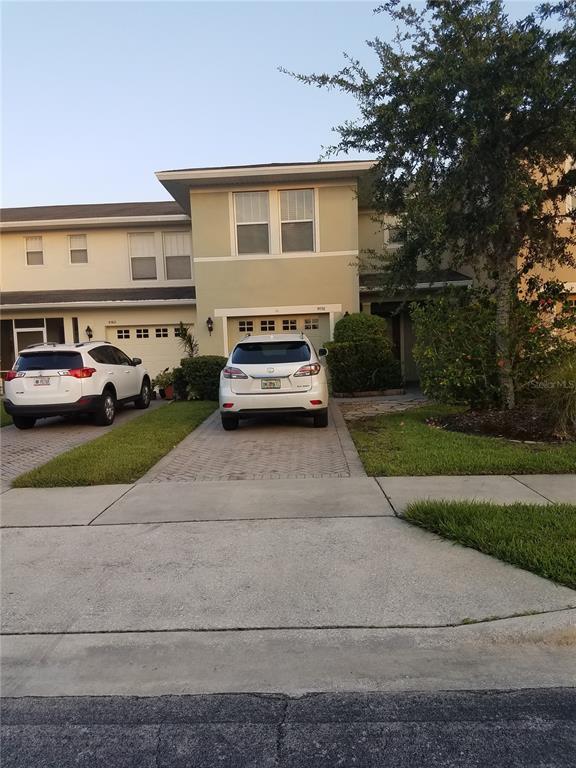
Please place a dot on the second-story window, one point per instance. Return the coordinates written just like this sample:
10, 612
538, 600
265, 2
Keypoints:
78, 249
142, 255
297, 219
34, 251
252, 222
177, 253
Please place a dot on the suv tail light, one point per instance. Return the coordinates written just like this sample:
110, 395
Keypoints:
81, 373
233, 373
10, 375
313, 369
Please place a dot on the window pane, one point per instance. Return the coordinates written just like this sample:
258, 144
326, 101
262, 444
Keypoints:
34, 243
251, 207
34, 258
253, 238
297, 204
77, 242
274, 352
177, 244
79, 257
144, 268
298, 236
142, 244
44, 361
37, 323
178, 268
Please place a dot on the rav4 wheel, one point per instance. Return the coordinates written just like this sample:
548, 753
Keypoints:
230, 422
106, 412
321, 419
24, 422
143, 400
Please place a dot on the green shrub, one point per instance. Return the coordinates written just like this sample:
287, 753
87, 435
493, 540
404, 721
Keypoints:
362, 366
198, 377
360, 327
556, 395
455, 349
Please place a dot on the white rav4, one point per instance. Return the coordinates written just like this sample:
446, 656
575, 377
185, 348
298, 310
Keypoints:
277, 373
61, 379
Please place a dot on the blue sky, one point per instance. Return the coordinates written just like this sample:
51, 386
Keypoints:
99, 95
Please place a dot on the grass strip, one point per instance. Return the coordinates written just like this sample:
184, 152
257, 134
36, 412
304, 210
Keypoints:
538, 538
403, 444
125, 453
5, 418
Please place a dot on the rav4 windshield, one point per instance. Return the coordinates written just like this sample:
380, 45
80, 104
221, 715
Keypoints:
266, 353
48, 361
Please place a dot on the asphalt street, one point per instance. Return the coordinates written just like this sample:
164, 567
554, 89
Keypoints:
503, 729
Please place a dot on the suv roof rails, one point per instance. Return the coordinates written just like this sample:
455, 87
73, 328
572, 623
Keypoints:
92, 341
41, 344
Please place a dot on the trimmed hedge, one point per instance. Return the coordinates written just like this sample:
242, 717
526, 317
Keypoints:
363, 366
198, 378
361, 327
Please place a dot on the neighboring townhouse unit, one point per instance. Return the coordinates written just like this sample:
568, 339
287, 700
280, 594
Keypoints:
240, 250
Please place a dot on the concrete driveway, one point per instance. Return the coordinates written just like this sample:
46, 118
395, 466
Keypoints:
23, 450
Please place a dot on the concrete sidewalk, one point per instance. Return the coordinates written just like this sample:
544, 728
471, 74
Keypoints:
265, 499
283, 586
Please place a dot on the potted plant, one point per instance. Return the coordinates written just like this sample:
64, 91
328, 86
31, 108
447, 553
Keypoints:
164, 382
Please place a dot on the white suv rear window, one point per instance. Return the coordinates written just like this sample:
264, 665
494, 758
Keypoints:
48, 361
265, 353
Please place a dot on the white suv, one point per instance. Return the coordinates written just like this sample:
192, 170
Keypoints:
60, 379
277, 373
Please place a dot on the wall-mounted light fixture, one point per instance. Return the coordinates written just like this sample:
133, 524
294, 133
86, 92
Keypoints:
89, 332
210, 325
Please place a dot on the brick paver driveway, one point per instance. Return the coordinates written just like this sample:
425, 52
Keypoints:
275, 448
22, 450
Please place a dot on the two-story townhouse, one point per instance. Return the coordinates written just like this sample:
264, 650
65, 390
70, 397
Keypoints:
240, 250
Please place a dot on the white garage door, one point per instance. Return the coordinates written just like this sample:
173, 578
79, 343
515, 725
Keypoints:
316, 327
157, 345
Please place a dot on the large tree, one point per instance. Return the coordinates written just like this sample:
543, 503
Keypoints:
472, 119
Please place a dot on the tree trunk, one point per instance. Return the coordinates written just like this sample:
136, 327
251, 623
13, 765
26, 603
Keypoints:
506, 270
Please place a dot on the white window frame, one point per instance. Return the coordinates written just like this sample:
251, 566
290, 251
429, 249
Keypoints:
26, 251
159, 332
144, 333
314, 218
125, 334
143, 279
288, 321
249, 223
246, 329
70, 249
268, 320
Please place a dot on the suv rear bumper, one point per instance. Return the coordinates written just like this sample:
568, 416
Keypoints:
87, 404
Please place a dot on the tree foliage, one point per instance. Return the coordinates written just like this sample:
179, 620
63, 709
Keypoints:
471, 117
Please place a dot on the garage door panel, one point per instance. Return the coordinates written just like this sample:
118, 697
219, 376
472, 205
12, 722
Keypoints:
157, 346
315, 326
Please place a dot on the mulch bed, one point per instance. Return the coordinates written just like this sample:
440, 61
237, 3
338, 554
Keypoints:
525, 423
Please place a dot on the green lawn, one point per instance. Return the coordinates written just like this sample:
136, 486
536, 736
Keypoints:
403, 444
5, 418
538, 538
125, 453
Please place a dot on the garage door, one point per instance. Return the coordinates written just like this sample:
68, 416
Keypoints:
157, 345
316, 327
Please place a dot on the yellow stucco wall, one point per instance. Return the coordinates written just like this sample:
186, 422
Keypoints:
210, 215
108, 261
338, 218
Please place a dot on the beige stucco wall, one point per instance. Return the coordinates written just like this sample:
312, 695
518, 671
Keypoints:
108, 261
210, 215
338, 218
274, 282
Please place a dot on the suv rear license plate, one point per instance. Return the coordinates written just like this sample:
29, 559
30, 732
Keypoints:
42, 381
270, 383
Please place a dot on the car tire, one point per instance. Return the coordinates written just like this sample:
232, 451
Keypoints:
24, 422
106, 412
321, 419
143, 399
230, 423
